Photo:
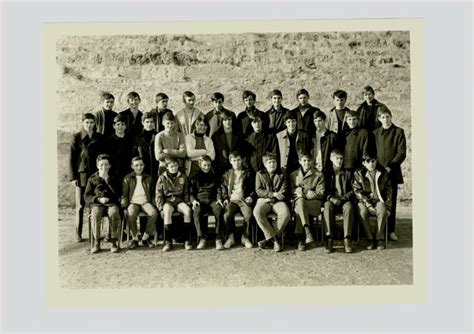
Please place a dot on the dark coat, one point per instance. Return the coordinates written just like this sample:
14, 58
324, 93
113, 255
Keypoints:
134, 125
346, 185
129, 184
244, 123
97, 187
227, 183
278, 119
104, 122
265, 185
223, 149
329, 142
121, 154
313, 180
159, 118
204, 187
362, 190
146, 150
391, 149
356, 144
306, 122
368, 115
215, 121
257, 145
82, 156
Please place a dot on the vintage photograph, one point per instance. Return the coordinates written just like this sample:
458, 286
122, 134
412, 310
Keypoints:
234, 160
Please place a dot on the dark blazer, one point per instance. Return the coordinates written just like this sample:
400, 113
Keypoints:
329, 142
391, 146
257, 145
306, 122
83, 154
356, 144
134, 125
104, 122
121, 154
362, 190
146, 150
278, 123
346, 185
244, 125
159, 118
97, 187
265, 186
223, 149
227, 183
129, 184
368, 115
215, 121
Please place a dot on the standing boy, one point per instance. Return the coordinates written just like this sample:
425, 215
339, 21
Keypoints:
238, 192
170, 143
336, 121
271, 186
161, 108
357, 143
85, 146
276, 113
204, 188
144, 145
214, 117
369, 109
339, 197
373, 189
133, 116
104, 119
198, 145
120, 146
187, 116
323, 143
307, 190
103, 194
391, 148
244, 118
259, 142
304, 113
137, 195
172, 195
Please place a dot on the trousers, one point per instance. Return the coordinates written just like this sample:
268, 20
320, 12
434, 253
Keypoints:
201, 222
382, 216
263, 208
330, 211
229, 217
112, 211
304, 209
132, 213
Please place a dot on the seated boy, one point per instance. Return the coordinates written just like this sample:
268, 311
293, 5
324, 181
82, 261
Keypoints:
170, 143
339, 196
198, 144
144, 145
103, 194
276, 113
259, 142
237, 190
243, 118
323, 143
85, 146
356, 141
204, 188
172, 195
186, 117
307, 189
137, 194
304, 113
104, 118
373, 190
120, 146
271, 186
133, 116
161, 108
214, 116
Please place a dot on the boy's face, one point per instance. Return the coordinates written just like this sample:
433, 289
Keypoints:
138, 166
169, 125
205, 166
218, 104
337, 160
352, 121
370, 164
162, 104
108, 104
339, 102
249, 101
88, 124
120, 127
201, 127
133, 102
236, 162
257, 125
320, 124
276, 101
189, 101
291, 125
306, 163
172, 167
149, 124
303, 99
227, 123
270, 165
386, 120
369, 97
103, 166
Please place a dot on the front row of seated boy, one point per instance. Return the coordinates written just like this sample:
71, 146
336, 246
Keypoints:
306, 191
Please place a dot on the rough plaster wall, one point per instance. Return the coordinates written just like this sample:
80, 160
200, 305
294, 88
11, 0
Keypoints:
230, 63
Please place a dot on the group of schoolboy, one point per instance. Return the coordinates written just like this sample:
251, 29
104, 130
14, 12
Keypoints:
256, 163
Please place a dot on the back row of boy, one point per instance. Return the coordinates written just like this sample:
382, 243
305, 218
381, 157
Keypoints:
290, 135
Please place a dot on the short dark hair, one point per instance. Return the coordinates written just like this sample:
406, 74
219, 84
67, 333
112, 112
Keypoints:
137, 158
290, 115
337, 152
269, 156
202, 119
369, 156
106, 96
276, 92
368, 89
382, 110
305, 155
170, 160
101, 157
256, 115
340, 94
352, 113
319, 114
188, 94
248, 93
88, 115
133, 95
205, 158
161, 96
168, 117
227, 114
120, 118
302, 91
217, 96
235, 154
147, 115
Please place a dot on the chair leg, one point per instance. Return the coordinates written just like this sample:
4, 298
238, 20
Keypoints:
122, 225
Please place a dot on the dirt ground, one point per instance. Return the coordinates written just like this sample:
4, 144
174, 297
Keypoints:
237, 267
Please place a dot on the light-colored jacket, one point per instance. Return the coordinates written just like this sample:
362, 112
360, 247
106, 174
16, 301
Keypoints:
194, 154
184, 127
302, 145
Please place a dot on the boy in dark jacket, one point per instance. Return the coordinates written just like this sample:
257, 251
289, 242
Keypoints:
85, 146
276, 113
324, 142
104, 118
237, 190
144, 145
259, 142
369, 109
391, 148
204, 189
137, 195
304, 113
373, 190
161, 100
271, 186
120, 147
133, 116
357, 142
243, 118
103, 194
214, 116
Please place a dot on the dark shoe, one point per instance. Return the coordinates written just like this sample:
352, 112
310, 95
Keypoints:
380, 244
301, 246
370, 244
133, 244
329, 246
347, 246
263, 244
276, 246
167, 247
79, 238
147, 243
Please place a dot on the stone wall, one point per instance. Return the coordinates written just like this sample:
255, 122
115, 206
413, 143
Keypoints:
230, 63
